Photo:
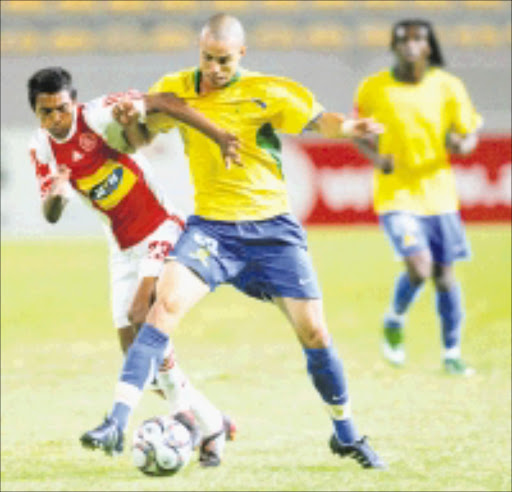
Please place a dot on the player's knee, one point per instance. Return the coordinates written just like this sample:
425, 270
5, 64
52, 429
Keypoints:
315, 336
444, 279
169, 305
419, 270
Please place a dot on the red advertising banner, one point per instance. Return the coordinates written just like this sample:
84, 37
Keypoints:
340, 182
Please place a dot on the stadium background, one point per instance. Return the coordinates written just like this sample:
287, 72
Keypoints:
329, 46
60, 354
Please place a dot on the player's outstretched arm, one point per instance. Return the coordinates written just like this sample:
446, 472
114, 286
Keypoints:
55, 201
363, 131
336, 125
177, 108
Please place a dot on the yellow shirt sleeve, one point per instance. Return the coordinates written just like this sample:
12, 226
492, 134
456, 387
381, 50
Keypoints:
159, 122
294, 105
362, 102
463, 116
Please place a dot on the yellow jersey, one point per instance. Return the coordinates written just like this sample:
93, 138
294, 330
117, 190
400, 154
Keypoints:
417, 118
253, 106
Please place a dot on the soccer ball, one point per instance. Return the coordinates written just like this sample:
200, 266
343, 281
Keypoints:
161, 446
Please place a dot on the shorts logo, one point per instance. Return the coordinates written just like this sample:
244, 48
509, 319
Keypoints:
409, 240
202, 255
207, 247
88, 141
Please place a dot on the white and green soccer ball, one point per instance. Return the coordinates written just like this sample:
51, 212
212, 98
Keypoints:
161, 446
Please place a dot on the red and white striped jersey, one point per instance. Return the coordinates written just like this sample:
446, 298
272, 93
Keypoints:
116, 184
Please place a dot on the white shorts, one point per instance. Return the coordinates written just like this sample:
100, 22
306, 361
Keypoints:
129, 266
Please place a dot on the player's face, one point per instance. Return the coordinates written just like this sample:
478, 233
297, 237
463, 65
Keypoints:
219, 60
55, 112
412, 44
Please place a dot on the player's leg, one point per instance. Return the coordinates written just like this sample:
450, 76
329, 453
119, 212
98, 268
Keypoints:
197, 269
279, 268
178, 289
185, 401
183, 398
326, 371
448, 244
123, 276
407, 236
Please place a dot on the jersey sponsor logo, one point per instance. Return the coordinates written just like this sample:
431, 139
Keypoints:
76, 156
88, 141
108, 185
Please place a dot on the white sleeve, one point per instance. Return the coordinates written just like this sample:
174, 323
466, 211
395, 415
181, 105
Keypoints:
45, 166
98, 116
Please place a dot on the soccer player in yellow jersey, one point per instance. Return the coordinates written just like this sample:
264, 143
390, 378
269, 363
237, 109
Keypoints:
242, 231
427, 114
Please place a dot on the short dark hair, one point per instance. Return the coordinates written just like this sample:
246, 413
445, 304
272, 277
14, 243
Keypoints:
49, 80
436, 57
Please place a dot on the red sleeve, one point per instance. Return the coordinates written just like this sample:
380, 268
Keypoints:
43, 174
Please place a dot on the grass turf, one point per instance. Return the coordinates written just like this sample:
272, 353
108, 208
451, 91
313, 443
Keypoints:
60, 361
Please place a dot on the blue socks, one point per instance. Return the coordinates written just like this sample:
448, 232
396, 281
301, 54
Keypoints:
121, 412
326, 370
451, 312
142, 359
405, 293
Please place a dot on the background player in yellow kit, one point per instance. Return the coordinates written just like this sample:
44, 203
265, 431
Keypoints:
427, 113
242, 231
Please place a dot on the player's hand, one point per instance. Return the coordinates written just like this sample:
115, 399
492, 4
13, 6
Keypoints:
60, 181
124, 113
229, 145
361, 127
454, 143
386, 163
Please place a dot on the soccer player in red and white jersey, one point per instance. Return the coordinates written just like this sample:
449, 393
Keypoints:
73, 152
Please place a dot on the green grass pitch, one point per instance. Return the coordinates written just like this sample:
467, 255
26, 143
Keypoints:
60, 361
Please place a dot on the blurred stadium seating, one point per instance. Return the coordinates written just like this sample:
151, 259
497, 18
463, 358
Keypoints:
322, 24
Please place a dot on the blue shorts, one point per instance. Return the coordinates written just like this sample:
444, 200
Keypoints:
264, 258
443, 235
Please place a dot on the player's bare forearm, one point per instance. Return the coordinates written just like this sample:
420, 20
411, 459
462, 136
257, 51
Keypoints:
336, 125
137, 135
168, 103
368, 147
56, 200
